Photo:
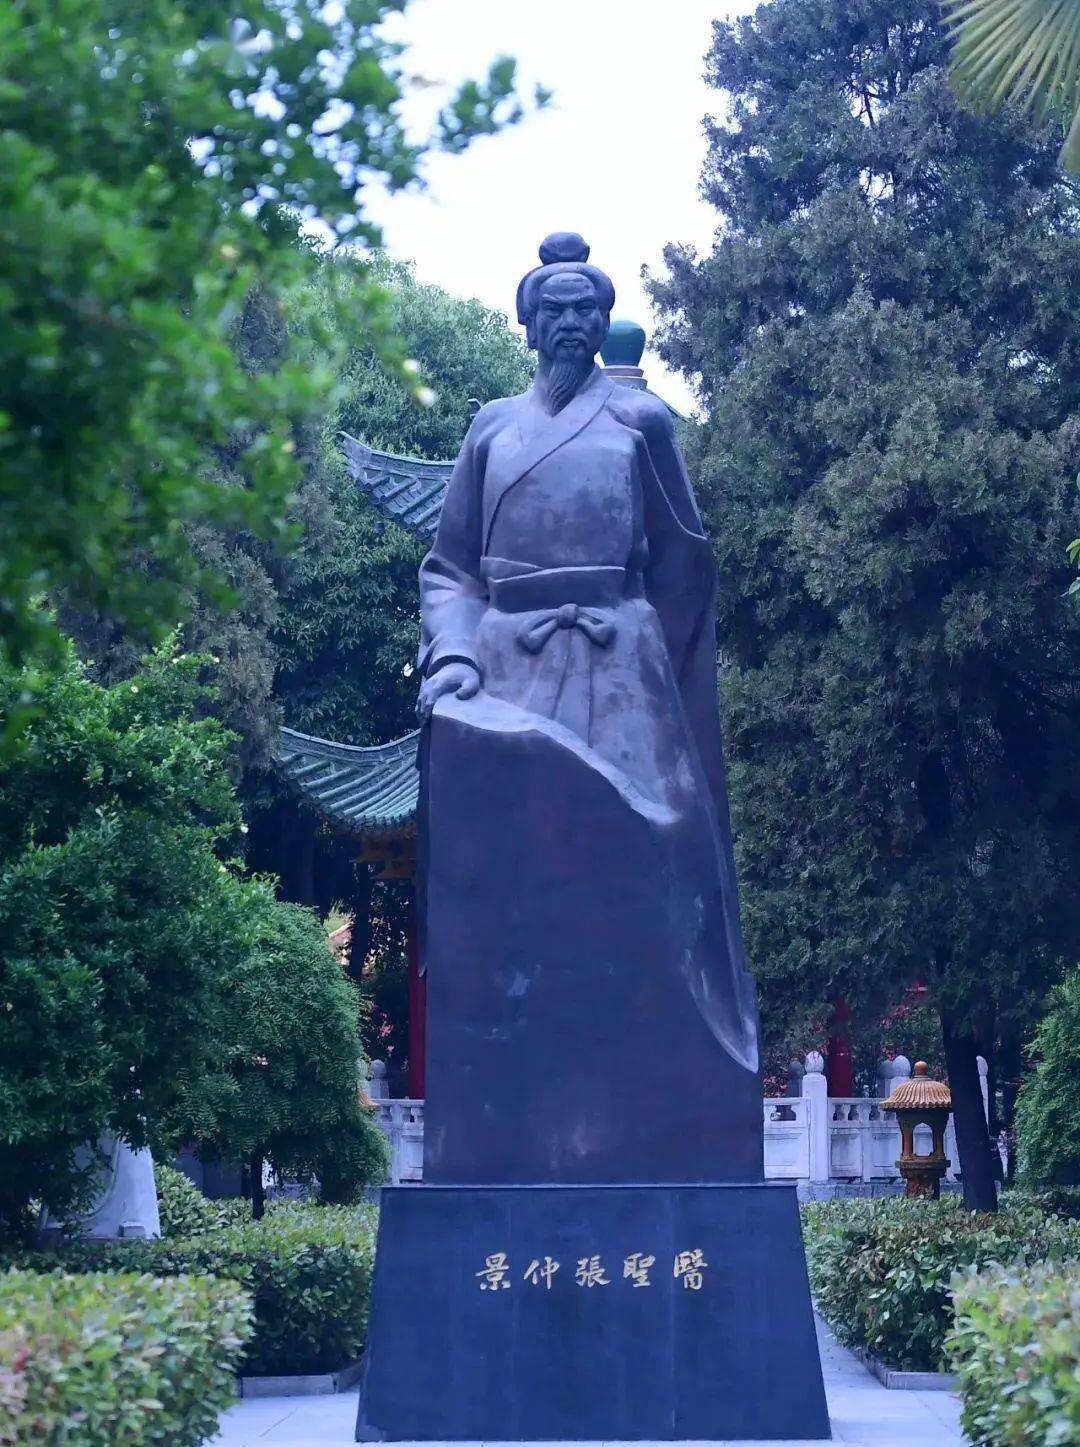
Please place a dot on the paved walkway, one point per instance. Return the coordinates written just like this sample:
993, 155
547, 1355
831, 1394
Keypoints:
864, 1413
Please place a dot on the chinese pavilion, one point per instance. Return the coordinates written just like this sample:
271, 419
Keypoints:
370, 793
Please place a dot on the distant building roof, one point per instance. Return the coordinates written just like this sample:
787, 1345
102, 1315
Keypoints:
408, 490
365, 791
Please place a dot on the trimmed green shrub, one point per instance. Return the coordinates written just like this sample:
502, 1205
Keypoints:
881, 1270
116, 1360
284, 1084
185, 1211
1061, 1201
1016, 1347
1047, 1124
308, 1269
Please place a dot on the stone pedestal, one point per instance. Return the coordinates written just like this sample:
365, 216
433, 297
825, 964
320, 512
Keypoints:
591, 1313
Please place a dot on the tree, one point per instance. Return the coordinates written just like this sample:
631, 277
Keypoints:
159, 158
1048, 1129
885, 337
284, 1083
116, 916
466, 352
148, 988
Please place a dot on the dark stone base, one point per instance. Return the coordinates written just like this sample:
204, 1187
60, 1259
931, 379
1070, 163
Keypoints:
447, 1360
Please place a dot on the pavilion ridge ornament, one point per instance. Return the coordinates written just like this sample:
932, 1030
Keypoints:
593, 1104
915, 1102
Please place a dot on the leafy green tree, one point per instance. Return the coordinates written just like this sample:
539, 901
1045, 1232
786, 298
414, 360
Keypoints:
159, 157
885, 336
1047, 1123
324, 637
465, 352
117, 916
284, 1083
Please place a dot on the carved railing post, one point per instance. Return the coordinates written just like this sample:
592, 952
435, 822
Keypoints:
815, 1091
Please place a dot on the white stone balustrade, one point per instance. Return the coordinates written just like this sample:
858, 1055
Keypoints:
402, 1122
811, 1138
787, 1138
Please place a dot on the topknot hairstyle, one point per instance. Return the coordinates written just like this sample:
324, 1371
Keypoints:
562, 251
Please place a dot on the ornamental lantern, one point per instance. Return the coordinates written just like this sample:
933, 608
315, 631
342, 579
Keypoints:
921, 1101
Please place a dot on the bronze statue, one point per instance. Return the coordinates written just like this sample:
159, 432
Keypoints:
569, 653
594, 1254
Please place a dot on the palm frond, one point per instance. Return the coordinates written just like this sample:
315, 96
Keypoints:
1021, 52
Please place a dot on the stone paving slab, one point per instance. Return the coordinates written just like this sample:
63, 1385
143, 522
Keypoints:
863, 1413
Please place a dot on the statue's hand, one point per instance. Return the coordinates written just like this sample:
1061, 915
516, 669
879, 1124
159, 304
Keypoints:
461, 679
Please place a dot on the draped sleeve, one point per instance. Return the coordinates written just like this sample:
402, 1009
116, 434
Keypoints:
680, 578
453, 595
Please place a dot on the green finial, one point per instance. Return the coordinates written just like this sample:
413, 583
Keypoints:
624, 346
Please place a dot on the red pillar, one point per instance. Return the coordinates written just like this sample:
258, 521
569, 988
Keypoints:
417, 1007
839, 1063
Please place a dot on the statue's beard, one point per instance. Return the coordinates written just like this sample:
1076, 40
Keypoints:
570, 367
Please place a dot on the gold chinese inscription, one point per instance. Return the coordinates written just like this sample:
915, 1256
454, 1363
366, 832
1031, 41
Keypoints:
636, 1268
493, 1277
541, 1273
689, 1266
590, 1272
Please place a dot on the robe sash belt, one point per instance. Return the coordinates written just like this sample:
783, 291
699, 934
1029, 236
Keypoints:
596, 628
584, 598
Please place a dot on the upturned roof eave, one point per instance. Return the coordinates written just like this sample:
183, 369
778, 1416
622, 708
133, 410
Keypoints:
367, 790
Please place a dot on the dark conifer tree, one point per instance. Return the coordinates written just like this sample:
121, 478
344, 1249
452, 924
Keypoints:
887, 337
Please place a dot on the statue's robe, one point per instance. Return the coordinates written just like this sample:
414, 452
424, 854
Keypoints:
590, 1013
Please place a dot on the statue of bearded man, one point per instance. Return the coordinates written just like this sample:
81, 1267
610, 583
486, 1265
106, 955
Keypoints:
590, 1013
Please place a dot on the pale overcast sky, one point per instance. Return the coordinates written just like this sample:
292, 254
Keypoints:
617, 156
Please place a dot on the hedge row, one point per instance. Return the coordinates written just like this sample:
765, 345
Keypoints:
1016, 1347
881, 1271
308, 1269
116, 1360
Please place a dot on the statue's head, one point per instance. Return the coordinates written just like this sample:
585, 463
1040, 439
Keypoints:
565, 306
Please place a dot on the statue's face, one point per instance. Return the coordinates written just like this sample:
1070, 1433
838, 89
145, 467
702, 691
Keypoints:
568, 323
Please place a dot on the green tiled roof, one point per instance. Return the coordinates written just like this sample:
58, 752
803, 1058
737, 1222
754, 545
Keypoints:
408, 490
362, 790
